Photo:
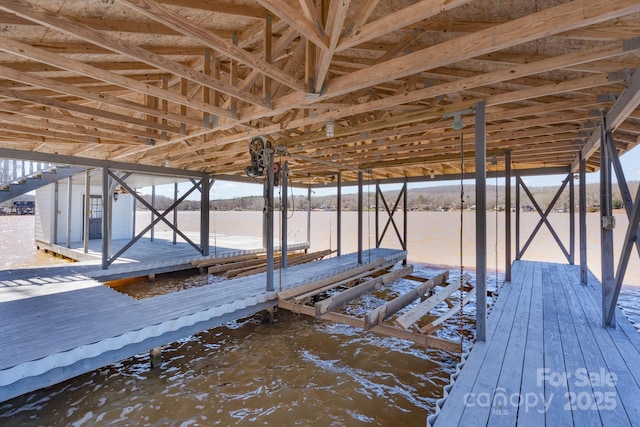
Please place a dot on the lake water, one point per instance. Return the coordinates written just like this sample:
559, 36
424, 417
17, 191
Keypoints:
298, 371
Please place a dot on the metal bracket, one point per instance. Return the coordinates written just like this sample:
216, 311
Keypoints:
608, 222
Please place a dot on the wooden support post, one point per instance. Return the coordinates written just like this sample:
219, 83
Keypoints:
309, 214
155, 357
56, 208
133, 220
377, 215
175, 212
582, 189
625, 193
106, 229
606, 230
481, 222
360, 210
572, 220
204, 215
69, 210
339, 216
153, 215
518, 253
630, 239
87, 210
405, 220
284, 226
268, 213
632, 233
507, 216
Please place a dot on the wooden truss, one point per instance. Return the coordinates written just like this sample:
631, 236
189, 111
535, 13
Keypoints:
140, 81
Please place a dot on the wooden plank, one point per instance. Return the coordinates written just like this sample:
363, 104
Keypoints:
300, 298
230, 266
350, 294
455, 309
222, 260
292, 261
407, 319
286, 294
378, 315
590, 351
620, 357
556, 393
423, 340
500, 321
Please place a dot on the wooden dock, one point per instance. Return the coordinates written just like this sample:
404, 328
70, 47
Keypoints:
160, 255
547, 359
57, 323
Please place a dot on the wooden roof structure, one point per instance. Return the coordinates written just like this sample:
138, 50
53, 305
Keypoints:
190, 82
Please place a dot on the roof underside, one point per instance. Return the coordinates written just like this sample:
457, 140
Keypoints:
192, 81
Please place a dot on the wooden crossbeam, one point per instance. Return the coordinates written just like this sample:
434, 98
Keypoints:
428, 341
294, 261
378, 315
166, 17
84, 32
427, 329
350, 294
299, 299
416, 313
290, 293
224, 260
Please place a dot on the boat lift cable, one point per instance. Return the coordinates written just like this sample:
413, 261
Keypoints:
461, 289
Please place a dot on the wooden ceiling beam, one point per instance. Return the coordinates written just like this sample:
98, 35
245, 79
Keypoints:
245, 10
394, 21
307, 29
38, 126
164, 16
545, 65
60, 135
84, 32
60, 61
69, 89
336, 16
66, 117
89, 111
545, 23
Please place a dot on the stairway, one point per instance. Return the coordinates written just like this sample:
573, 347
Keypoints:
17, 186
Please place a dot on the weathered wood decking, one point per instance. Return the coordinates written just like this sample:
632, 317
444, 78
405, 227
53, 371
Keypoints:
56, 324
161, 255
547, 359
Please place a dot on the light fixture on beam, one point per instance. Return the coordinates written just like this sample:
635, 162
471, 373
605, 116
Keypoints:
330, 127
433, 174
457, 123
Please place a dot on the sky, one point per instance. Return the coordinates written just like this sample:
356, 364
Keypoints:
228, 190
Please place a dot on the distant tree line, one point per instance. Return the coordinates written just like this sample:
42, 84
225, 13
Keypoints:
428, 198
